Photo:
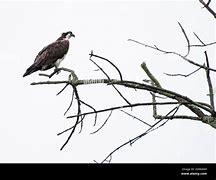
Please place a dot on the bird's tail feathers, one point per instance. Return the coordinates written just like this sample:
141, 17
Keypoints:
30, 70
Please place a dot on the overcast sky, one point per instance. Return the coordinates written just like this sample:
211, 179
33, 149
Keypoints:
31, 116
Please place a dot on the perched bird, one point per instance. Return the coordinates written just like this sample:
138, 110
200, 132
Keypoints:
51, 55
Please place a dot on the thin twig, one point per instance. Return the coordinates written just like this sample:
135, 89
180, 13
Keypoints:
174, 111
211, 93
68, 129
115, 108
167, 119
92, 109
72, 97
188, 42
199, 39
81, 121
134, 117
77, 120
110, 79
150, 75
156, 117
135, 138
184, 75
208, 8
103, 123
207, 4
129, 106
119, 72
202, 43
172, 52
193, 106
62, 89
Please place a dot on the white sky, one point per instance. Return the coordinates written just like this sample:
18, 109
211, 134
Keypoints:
31, 116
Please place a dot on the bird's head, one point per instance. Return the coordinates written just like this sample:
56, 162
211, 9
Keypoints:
66, 35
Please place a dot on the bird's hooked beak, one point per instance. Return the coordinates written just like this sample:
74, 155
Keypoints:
72, 35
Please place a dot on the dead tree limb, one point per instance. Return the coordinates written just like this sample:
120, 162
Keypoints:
211, 93
202, 43
184, 75
201, 111
77, 119
187, 39
174, 53
206, 5
133, 140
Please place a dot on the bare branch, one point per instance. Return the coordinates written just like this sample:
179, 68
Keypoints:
184, 75
115, 108
110, 79
95, 112
77, 82
157, 117
199, 39
135, 85
49, 82
57, 70
103, 123
160, 97
128, 106
136, 138
62, 89
193, 106
68, 129
205, 104
207, 4
211, 93
150, 75
119, 72
76, 123
81, 121
188, 42
208, 8
154, 106
202, 43
154, 82
178, 117
172, 52
72, 97
136, 118
175, 110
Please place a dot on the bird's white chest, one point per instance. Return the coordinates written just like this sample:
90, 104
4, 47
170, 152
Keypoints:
57, 63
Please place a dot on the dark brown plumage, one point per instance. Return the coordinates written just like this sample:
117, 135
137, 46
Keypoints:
51, 55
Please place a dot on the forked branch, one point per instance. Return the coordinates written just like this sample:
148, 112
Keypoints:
206, 5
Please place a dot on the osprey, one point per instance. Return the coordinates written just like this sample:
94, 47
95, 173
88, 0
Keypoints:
51, 55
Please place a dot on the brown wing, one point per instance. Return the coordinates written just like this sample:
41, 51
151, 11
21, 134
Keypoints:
51, 53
